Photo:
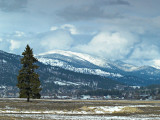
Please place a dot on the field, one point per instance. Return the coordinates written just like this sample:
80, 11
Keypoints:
19, 109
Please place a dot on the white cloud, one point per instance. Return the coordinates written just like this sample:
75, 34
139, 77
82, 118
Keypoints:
67, 27
54, 28
71, 28
1, 39
56, 40
110, 45
84, 20
14, 45
156, 63
145, 51
19, 34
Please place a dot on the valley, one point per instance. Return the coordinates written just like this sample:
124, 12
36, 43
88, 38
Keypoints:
79, 109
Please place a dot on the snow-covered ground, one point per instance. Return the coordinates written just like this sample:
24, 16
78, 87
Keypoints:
83, 110
82, 117
79, 109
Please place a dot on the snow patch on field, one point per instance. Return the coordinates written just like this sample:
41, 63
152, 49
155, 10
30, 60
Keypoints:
83, 113
86, 117
106, 109
84, 110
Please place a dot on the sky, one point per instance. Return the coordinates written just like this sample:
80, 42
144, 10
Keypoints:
126, 30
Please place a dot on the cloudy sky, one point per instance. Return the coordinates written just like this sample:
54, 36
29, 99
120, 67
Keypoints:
127, 30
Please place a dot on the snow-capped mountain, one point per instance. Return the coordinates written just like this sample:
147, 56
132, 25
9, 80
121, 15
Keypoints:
118, 70
77, 56
51, 77
78, 62
77, 70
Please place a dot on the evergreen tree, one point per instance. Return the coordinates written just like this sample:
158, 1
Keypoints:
28, 79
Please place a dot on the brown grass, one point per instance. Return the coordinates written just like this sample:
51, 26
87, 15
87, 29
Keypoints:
129, 110
76, 105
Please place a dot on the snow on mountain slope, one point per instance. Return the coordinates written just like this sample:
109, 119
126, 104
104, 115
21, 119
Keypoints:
54, 60
124, 66
51, 77
101, 62
79, 63
80, 56
83, 63
88, 64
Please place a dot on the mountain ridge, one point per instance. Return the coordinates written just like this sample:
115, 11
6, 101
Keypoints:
52, 78
57, 68
117, 70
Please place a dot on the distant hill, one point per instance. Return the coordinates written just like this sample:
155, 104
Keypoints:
116, 70
52, 77
70, 71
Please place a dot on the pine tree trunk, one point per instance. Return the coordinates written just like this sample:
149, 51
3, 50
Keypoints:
27, 99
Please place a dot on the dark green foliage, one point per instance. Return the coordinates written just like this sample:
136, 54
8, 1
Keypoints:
28, 79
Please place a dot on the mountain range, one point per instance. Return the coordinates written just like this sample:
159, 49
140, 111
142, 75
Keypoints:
77, 71
116, 70
52, 77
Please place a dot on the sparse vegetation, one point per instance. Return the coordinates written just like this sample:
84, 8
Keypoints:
130, 110
36, 108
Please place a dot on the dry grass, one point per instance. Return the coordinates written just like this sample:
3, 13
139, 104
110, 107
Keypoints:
77, 105
129, 110
14, 118
87, 109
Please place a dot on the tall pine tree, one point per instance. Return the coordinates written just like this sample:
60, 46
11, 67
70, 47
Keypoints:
28, 79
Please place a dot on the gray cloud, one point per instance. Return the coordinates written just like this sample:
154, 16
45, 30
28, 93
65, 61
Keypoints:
91, 9
12, 5
83, 25
113, 2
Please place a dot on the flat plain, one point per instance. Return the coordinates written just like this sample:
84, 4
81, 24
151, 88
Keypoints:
52, 109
